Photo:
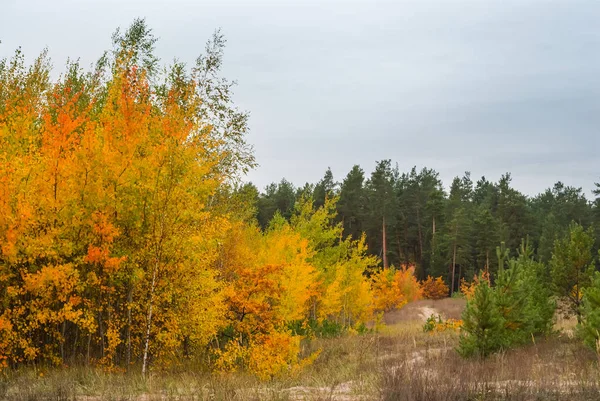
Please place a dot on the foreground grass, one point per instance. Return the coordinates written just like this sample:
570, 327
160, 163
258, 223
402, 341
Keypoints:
399, 363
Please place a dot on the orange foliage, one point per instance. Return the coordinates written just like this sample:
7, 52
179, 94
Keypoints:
106, 242
434, 288
269, 285
116, 249
468, 289
392, 288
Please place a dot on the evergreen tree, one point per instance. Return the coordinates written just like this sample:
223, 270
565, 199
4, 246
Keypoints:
518, 307
352, 203
485, 229
277, 197
554, 210
513, 213
535, 282
380, 192
572, 265
590, 324
549, 234
426, 202
324, 189
458, 229
483, 324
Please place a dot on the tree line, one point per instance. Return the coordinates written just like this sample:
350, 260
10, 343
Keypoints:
409, 218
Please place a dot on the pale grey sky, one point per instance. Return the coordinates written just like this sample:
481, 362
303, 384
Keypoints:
487, 86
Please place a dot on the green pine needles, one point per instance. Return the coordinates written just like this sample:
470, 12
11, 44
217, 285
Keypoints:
513, 311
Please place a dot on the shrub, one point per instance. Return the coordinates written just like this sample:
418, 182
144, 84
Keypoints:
434, 288
435, 324
393, 288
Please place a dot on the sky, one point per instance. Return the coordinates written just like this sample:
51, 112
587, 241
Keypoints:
484, 86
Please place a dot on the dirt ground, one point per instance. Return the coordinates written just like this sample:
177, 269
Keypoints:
448, 308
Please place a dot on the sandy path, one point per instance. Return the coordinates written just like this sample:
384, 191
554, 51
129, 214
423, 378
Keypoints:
426, 311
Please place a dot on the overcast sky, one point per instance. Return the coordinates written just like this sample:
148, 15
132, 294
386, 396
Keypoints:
486, 86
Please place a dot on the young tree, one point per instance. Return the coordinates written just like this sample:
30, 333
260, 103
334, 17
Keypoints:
483, 324
572, 265
590, 319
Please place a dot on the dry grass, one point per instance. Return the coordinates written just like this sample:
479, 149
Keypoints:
399, 363
555, 369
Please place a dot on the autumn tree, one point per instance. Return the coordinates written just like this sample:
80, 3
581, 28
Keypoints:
108, 220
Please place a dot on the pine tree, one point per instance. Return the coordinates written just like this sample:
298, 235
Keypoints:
485, 230
590, 322
352, 203
325, 188
572, 265
483, 324
458, 228
380, 192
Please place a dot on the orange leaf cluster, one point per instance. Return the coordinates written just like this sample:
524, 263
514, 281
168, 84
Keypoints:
434, 288
468, 289
392, 289
104, 228
115, 248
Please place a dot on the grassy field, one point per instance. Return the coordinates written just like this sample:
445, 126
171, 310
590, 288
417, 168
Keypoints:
399, 363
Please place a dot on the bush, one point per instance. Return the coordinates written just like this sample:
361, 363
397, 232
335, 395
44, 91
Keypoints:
435, 324
434, 288
392, 288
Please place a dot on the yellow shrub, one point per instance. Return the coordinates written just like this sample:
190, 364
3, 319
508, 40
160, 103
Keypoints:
267, 356
273, 354
437, 325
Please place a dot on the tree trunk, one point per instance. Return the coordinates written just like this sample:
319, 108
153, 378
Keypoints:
62, 341
453, 268
406, 257
399, 247
432, 242
129, 303
385, 261
420, 242
74, 351
149, 321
